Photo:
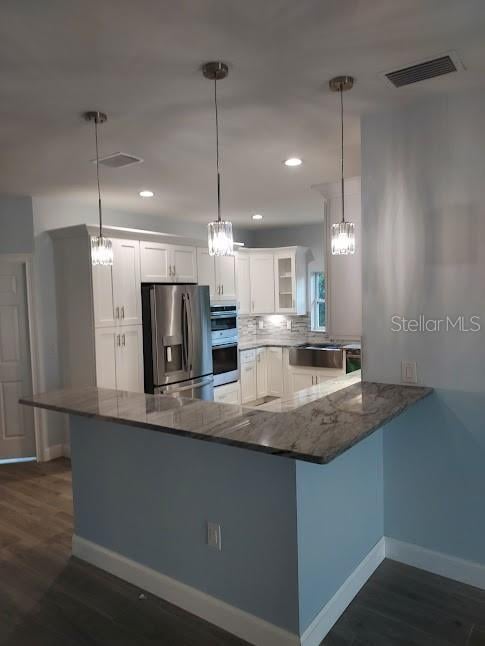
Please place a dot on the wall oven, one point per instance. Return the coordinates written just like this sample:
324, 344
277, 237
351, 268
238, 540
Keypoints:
224, 334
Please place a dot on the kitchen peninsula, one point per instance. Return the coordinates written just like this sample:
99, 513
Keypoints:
258, 541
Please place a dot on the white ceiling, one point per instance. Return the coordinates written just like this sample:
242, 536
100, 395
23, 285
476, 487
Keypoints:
139, 61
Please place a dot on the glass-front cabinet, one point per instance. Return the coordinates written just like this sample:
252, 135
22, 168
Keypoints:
290, 280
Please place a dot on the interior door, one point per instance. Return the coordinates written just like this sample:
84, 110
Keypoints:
17, 437
126, 281
206, 270
185, 264
261, 267
226, 277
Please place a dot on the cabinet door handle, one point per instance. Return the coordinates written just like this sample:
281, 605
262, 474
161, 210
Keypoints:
252, 306
117, 314
122, 311
174, 270
118, 340
222, 287
124, 340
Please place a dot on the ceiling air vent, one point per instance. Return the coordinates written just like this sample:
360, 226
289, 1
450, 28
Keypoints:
422, 71
118, 160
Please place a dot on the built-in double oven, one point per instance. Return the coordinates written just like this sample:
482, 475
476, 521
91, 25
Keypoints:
224, 334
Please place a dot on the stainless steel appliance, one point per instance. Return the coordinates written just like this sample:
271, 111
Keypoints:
327, 355
225, 337
177, 340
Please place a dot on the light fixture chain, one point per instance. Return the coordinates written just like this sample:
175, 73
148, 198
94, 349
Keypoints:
342, 151
217, 152
97, 177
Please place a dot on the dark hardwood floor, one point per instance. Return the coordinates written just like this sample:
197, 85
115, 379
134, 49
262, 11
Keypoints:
48, 598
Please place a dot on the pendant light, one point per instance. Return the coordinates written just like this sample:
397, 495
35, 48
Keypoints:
101, 247
343, 233
220, 238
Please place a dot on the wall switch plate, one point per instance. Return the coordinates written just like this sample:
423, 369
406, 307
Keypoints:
409, 373
261, 324
288, 324
214, 535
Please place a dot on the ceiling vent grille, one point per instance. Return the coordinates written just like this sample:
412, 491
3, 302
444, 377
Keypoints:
422, 71
118, 160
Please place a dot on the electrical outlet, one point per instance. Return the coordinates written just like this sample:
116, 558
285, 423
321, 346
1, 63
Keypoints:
409, 373
214, 535
288, 324
261, 324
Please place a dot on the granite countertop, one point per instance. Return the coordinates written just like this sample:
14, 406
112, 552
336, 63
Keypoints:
281, 342
315, 425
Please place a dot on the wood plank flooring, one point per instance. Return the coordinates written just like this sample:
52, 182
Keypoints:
48, 598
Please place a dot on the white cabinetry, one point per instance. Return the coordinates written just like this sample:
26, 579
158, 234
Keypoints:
262, 284
219, 272
290, 280
275, 371
248, 376
262, 372
116, 289
119, 358
300, 378
243, 283
167, 263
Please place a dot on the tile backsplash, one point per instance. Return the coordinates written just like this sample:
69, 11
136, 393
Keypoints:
275, 325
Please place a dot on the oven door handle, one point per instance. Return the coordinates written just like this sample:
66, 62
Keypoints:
216, 346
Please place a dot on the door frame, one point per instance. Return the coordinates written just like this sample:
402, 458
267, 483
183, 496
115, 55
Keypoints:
26, 259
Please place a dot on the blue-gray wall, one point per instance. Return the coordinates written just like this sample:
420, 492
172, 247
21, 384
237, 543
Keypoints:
16, 224
423, 170
340, 520
148, 495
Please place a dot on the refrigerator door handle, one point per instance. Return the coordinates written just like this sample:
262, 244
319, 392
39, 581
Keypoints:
185, 328
155, 356
190, 331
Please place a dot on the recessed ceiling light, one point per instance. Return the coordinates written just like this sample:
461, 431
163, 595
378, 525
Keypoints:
257, 216
146, 193
293, 161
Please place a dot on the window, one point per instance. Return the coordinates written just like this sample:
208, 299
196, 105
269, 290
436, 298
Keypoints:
318, 301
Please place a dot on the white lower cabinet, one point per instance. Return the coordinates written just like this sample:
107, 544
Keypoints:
119, 358
262, 372
275, 371
300, 378
228, 393
249, 390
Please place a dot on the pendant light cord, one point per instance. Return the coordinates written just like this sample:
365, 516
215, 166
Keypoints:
342, 149
217, 153
97, 177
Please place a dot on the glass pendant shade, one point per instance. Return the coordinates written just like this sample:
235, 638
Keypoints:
343, 239
220, 238
101, 251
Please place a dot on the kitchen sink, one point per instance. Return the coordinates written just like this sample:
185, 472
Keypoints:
317, 355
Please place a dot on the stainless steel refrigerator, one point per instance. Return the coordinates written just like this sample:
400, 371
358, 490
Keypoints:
177, 340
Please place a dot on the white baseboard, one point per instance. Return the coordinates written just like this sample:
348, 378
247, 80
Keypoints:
53, 452
330, 613
236, 621
436, 562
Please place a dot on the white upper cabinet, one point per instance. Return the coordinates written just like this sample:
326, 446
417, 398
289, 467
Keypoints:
154, 262
243, 284
116, 289
225, 278
126, 282
290, 280
262, 283
166, 263
104, 313
219, 272
206, 270
184, 264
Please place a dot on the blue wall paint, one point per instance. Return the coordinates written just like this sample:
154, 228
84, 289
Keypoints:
340, 519
434, 457
189, 482
16, 224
